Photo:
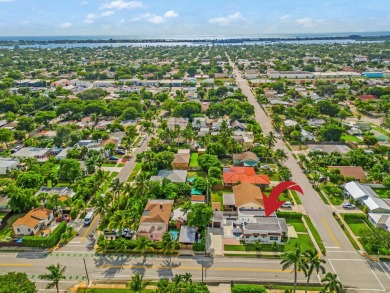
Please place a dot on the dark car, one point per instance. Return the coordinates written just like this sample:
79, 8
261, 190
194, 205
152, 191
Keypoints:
113, 158
120, 152
127, 233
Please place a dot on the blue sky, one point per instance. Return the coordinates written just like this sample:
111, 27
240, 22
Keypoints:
195, 17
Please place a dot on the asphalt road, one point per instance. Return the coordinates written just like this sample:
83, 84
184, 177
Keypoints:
352, 269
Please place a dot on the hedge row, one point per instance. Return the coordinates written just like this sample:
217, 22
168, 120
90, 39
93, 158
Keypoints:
248, 289
289, 215
45, 242
354, 216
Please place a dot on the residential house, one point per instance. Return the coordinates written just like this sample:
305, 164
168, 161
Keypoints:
245, 195
235, 175
33, 221
237, 125
329, 148
290, 123
181, 159
198, 199
355, 172
175, 176
41, 154
199, 122
379, 220
175, 122
366, 196
63, 192
307, 135
244, 137
316, 122
155, 219
187, 235
290, 74
7, 165
257, 227
367, 97
245, 159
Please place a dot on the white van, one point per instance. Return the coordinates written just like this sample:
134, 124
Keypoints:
287, 204
88, 218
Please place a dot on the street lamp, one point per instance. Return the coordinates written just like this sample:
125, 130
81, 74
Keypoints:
86, 271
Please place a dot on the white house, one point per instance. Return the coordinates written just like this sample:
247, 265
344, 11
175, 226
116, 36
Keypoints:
366, 196
380, 220
174, 122
33, 221
290, 74
307, 135
41, 154
7, 165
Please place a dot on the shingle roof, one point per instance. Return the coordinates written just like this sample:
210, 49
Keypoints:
187, 234
246, 193
32, 218
245, 156
158, 210
181, 159
356, 172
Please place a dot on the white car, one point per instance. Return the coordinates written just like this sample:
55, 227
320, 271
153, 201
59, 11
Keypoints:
277, 135
348, 206
287, 204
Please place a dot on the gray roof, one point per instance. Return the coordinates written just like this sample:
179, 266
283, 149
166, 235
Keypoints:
187, 234
176, 176
31, 152
8, 162
268, 224
329, 148
229, 199
61, 191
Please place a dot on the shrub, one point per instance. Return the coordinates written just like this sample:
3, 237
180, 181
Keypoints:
354, 216
45, 242
248, 289
289, 215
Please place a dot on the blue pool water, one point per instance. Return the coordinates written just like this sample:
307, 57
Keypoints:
174, 234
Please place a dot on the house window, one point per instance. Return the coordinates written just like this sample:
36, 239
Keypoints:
28, 230
18, 229
274, 238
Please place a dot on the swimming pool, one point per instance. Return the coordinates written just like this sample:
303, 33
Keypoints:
174, 234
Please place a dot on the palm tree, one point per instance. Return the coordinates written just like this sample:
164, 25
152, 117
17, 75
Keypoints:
55, 276
168, 244
101, 176
137, 283
101, 205
116, 185
120, 219
281, 155
141, 182
333, 283
312, 263
143, 244
43, 198
270, 140
294, 259
102, 246
121, 244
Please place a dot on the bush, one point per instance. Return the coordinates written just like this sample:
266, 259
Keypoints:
248, 289
45, 242
354, 216
198, 246
289, 215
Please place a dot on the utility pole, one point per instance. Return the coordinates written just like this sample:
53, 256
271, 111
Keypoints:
202, 271
86, 271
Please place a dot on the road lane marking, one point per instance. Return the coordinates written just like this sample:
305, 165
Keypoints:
15, 265
331, 233
376, 277
89, 228
195, 268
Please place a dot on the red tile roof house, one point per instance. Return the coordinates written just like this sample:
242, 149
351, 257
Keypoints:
367, 97
236, 175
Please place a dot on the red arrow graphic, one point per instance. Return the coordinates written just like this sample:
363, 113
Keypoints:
271, 203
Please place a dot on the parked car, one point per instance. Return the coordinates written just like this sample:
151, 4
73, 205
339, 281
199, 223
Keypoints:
277, 135
287, 204
64, 218
348, 206
120, 152
88, 218
113, 158
127, 233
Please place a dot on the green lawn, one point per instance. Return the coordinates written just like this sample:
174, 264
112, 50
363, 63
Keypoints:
296, 196
334, 192
194, 160
108, 290
251, 247
356, 225
297, 223
347, 137
315, 234
304, 241
215, 197
136, 169
121, 165
196, 174
109, 164
2, 214
381, 192
7, 232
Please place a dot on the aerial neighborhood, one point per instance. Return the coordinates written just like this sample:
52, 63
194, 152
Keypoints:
175, 151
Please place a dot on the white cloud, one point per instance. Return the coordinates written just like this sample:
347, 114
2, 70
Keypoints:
121, 4
65, 25
156, 19
305, 22
171, 13
107, 13
284, 17
228, 19
90, 18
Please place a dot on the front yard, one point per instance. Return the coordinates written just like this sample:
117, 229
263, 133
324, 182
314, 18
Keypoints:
7, 232
348, 138
382, 192
194, 160
334, 192
357, 226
